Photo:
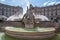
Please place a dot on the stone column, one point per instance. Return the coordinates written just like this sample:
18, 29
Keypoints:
29, 25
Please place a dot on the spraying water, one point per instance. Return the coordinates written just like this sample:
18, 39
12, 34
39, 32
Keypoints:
19, 16
27, 5
42, 17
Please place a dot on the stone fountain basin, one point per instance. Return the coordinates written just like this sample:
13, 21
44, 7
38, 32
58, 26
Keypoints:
34, 33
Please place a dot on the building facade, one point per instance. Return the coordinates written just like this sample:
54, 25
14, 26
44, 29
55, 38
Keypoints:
48, 11
7, 10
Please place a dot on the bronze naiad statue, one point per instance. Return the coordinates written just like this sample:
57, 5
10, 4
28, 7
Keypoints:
28, 20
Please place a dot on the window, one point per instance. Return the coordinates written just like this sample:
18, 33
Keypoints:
58, 7
0, 8
49, 13
50, 9
58, 12
4, 8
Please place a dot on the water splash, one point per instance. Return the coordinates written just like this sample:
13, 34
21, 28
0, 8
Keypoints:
25, 9
42, 17
19, 16
15, 18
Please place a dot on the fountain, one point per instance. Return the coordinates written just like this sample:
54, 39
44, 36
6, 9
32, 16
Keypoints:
29, 31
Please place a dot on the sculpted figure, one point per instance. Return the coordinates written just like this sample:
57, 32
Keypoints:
28, 20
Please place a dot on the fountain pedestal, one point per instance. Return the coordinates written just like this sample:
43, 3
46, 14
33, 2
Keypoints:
29, 25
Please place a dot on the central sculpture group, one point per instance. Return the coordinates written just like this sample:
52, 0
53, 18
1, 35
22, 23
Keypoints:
28, 20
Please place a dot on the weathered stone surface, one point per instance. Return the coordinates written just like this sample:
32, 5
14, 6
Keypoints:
29, 25
28, 20
30, 35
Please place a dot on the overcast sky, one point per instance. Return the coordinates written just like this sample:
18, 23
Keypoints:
25, 3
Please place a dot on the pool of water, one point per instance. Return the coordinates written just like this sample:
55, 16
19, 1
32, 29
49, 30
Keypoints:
37, 29
5, 37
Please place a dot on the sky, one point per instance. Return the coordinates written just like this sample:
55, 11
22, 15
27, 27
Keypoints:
25, 3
